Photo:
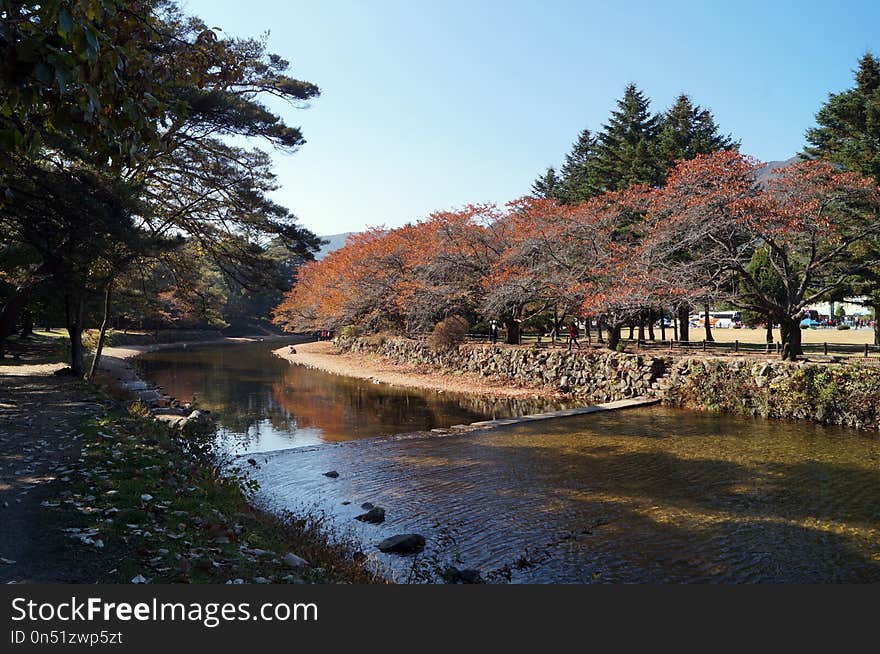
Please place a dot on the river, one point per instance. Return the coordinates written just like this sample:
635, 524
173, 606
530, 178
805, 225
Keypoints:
642, 495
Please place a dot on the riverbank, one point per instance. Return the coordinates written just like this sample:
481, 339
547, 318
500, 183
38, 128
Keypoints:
843, 392
325, 356
92, 493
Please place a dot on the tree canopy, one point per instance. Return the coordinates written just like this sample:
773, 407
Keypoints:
131, 131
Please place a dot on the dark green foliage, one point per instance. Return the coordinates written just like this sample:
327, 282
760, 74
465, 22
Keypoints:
625, 149
687, 130
579, 170
848, 133
848, 130
770, 283
548, 185
117, 167
634, 147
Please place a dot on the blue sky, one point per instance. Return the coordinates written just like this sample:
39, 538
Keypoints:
432, 105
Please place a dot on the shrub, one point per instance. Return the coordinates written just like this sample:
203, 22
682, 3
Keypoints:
350, 331
448, 333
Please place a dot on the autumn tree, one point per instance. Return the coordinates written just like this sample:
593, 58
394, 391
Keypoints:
809, 216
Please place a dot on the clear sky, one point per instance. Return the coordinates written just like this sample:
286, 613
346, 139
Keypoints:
432, 105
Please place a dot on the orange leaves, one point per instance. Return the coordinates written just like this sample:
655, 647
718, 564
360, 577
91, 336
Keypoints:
615, 254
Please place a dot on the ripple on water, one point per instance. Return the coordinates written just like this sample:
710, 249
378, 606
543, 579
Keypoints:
648, 495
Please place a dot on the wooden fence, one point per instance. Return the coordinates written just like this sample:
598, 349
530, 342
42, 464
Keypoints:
826, 349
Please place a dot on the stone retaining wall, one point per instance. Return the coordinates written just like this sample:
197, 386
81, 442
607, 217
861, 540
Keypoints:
839, 394
595, 375
843, 394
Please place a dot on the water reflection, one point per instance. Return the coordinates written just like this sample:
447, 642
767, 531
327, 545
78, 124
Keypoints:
263, 403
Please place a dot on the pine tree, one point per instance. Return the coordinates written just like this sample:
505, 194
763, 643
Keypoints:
625, 152
848, 130
848, 133
687, 130
579, 169
548, 185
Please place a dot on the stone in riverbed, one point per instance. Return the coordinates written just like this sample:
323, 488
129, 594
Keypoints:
402, 544
293, 561
366, 506
467, 576
332, 474
374, 516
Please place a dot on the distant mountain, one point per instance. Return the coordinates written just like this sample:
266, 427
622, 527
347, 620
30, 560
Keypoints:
767, 170
334, 242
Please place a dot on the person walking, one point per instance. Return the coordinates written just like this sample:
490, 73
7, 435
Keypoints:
493, 331
573, 333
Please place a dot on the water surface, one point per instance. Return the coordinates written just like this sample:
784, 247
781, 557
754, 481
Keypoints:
646, 495
264, 403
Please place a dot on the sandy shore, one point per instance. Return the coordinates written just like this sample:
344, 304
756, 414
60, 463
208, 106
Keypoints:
322, 355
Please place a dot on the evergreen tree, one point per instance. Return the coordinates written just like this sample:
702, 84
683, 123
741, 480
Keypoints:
848, 131
548, 185
687, 130
625, 152
579, 169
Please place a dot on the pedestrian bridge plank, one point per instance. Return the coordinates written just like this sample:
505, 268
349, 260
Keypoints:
565, 413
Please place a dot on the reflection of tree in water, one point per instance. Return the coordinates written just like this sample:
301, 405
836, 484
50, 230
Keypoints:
344, 407
251, 390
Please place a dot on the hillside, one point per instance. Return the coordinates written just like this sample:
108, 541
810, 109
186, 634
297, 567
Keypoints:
334, 242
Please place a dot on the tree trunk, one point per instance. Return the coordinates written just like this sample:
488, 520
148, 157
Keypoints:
650, 324
613, 336
769, 330
15, 303
632, 329
512, 331
99, 348
641, 330
683, 325
790, 330
662, 324
876, 308
599, 322
707, 325
589, 334
75, 310
27, 323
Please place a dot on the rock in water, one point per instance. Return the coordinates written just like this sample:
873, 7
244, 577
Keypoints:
366, 506
374, 516
467, 576
402, 544
332, 474
293, 561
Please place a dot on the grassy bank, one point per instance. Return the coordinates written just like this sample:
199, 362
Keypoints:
154, 506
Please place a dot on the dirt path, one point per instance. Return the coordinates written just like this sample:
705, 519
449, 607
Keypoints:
40, 418
322, 355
